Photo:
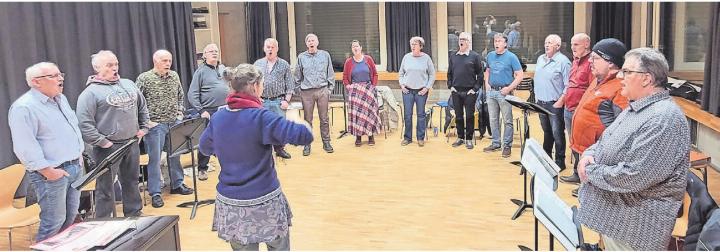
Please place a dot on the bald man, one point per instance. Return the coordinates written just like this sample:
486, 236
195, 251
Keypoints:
164, 94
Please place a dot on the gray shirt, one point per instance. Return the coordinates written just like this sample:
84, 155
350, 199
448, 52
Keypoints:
314, 70
44, 130
111, 111
208, 89
637, 184
278, 80
417, 72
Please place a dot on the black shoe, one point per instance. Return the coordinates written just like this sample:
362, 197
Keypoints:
327, 147
282, 153
157, 201
182, 189
358, 141
572, 179
575, 192
371, 140
306, 150
405, 142
458, 142
469, 145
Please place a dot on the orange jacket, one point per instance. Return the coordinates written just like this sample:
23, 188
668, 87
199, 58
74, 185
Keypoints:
598, 108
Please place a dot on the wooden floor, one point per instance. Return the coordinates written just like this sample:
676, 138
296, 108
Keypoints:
387, 197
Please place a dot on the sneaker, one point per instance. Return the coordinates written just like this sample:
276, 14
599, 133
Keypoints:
358, 141
282, 153
157, 201
469, 145
421, 143
572, 179
327, 147
506, 152
306, 150
458, 142
371, 140
405, 142
575, 192
491, 148
182, 190
202, 175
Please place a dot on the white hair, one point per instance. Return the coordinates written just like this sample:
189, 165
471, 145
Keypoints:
311, 35
271, 40
160, 53
95, 58
208, 46
554, 38
36, 70
420, 40
581, 36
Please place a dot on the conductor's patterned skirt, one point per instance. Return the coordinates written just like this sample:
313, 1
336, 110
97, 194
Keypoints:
252, 221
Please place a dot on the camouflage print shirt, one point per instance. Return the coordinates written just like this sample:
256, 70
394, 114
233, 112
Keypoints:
164, 95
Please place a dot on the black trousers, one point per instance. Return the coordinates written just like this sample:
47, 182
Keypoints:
464, 105
202, 159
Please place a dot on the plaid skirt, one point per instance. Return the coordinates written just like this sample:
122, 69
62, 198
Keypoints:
364, 119
252, 221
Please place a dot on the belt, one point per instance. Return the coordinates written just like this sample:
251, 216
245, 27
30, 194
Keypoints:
274, 98
71, 162
545, 102
120, 141
497, 88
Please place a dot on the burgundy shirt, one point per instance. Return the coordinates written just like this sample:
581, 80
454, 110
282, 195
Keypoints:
580, 77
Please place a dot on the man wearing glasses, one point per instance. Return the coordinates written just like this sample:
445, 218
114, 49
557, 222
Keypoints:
602, 101
207, 92
112, 112
634, 177
48, 142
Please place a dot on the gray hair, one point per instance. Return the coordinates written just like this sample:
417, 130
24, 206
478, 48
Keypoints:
271, 40
500, 35
209, 45
242, 76
160, 53
309, 35
652, 61
36, 70
420, 40
95, 58
555, 39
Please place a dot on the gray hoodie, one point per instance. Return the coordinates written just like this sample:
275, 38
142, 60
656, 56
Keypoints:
111, 111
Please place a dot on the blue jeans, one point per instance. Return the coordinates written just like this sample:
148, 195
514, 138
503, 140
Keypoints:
553, 127
568, 121
496, 104
410, 99
154, 145
58, 201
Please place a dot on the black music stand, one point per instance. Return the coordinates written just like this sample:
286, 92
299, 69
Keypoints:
182, 140
344, 131
104, 166
526, 107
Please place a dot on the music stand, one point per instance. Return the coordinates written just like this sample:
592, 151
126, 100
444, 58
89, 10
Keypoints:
526, 107
104, 166
542, 168
345, 131
181, 141
560, 220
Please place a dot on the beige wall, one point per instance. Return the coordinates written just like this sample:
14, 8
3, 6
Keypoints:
232, 29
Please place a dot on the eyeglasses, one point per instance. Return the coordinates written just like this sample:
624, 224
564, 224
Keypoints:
625, 72
53, 76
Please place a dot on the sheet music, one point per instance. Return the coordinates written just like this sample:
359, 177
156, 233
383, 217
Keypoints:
536, 161
85, 235
556, 216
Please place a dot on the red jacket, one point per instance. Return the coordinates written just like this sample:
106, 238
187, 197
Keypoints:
347, 70
598, 108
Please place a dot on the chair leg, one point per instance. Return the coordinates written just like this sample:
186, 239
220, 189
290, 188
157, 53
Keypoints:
10, 238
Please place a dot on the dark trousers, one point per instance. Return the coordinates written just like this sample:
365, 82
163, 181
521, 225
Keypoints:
128, 172
483, 119
202, 159
464, 105
554, 131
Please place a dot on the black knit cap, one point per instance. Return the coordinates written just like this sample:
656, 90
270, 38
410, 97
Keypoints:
611, 50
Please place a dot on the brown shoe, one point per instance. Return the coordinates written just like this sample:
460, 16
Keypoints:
371, 140
506, 152
421, 143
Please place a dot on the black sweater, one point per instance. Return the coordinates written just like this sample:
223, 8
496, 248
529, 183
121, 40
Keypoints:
465, 71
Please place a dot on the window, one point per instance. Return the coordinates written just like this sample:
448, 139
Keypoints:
529, 23
336, 25
687, 35
456, 23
